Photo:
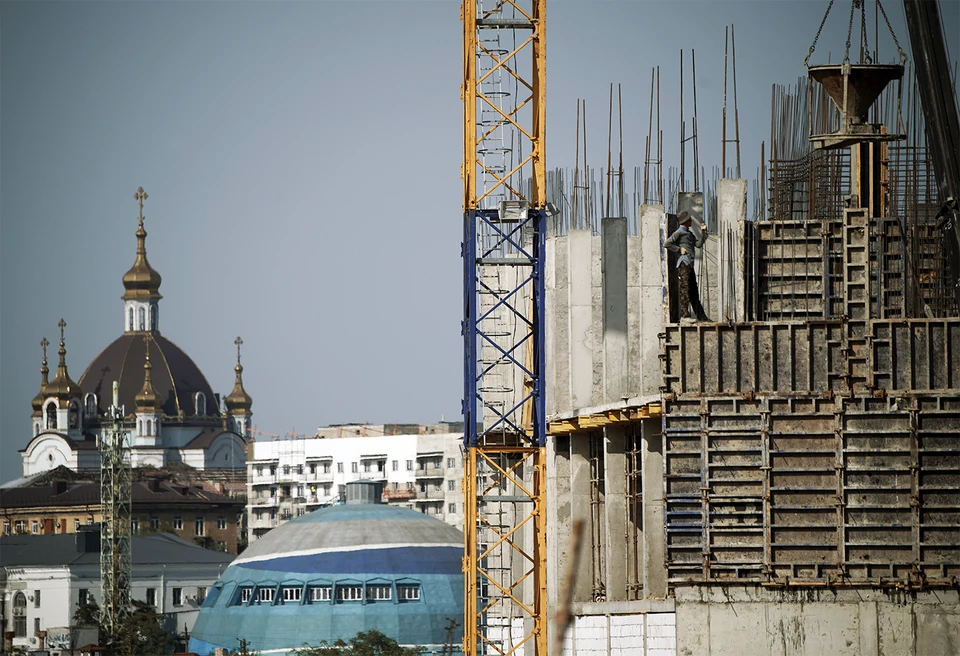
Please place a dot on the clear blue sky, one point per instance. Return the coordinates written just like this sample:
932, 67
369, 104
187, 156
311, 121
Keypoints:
302, 161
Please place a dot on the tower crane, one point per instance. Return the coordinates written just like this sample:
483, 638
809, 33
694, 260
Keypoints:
504, 220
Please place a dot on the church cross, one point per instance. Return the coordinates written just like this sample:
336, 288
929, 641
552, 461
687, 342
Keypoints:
62, 324
238, 342
140, 196
44, 343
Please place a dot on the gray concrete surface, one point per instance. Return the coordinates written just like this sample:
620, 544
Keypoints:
735, 620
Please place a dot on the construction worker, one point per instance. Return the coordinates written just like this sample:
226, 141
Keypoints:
685, 244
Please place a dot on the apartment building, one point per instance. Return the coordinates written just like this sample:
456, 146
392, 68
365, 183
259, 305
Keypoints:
420, 467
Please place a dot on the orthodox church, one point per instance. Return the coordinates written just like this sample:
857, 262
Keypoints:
170, 413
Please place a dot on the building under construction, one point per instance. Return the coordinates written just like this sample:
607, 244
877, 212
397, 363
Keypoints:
783, 479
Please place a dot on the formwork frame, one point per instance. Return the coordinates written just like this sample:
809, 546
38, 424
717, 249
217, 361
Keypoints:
504, 209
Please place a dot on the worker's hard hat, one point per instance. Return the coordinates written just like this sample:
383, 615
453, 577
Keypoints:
684, 217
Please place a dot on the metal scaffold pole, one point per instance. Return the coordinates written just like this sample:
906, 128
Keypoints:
504, 218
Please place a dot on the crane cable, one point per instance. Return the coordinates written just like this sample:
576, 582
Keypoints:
853, 6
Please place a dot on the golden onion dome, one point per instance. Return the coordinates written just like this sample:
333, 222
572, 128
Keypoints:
62, 387
37, 402
238, 402
146, 400
142, 281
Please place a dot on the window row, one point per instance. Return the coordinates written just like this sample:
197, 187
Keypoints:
340, 593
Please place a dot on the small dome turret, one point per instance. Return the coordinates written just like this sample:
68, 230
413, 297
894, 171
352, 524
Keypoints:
37, 402
62, 386
238, 402
146, 400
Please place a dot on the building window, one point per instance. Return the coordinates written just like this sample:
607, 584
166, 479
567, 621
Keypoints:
76, 524
91, 402
199, 526
286, 469
6, 528
395, 465
153, 318
409, 465
366, 467
221, 545
379, 593
154, 523
151, 596
135, 525
149, 427
320, 593
201, 403
36, 599
142, 315
221, 523
245, 594
452, 485
292, 595
178, 596
349, 593
339, 467
36, 625
353, 467
201, 595
35, 527
452, 509
178, 523
19, 615
52, 415
273, 470
82, 595
408, 592
73, 415
313, 468
326, 468
130, 319
451, 463
259, 470
265, 595
299, 512
300, 470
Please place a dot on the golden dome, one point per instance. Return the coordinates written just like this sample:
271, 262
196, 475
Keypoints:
146, 400
142, 281
62, 387
37, 402
239, 401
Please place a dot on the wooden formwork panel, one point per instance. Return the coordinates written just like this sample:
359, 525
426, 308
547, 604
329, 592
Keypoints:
836, 490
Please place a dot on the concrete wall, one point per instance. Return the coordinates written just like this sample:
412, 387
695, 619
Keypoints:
719, 620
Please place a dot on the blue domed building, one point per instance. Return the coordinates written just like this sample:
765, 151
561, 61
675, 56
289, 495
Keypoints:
335, 572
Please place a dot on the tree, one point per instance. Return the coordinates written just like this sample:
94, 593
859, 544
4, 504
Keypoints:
140, 632
371, 643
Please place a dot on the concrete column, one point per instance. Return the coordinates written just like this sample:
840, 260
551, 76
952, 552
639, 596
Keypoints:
653, 297
557, 328
614, 283
581, 318
654, 547
558, 523
732, 213
580, 509
635, 312
615, 510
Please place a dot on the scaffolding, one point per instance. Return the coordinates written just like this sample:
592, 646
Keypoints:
503, 248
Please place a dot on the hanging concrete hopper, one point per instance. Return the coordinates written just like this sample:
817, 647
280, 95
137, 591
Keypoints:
854, 88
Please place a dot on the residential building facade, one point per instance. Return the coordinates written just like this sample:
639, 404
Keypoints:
420, 470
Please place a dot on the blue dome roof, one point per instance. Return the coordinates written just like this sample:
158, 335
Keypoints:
335, 572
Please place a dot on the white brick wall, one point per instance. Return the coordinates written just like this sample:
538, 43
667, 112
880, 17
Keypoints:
642, 634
